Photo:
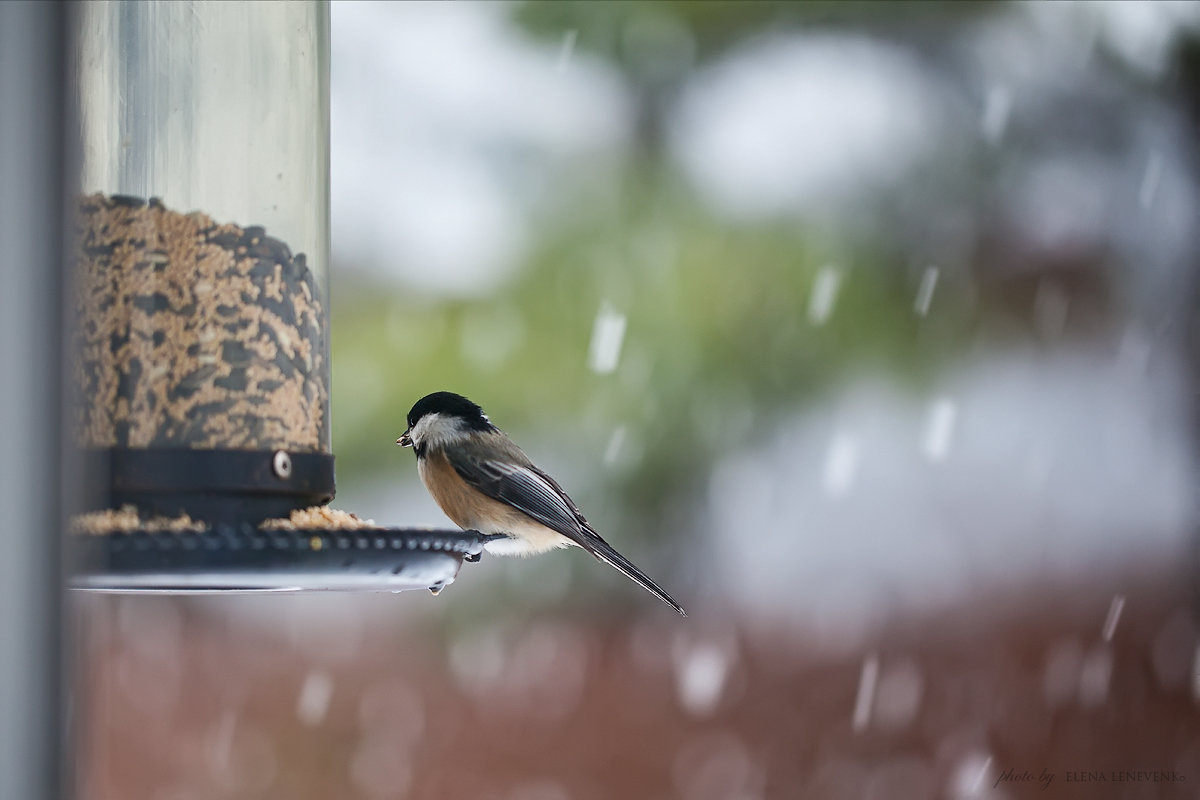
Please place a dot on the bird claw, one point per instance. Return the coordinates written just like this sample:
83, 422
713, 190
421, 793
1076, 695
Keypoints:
485, 538
436, 589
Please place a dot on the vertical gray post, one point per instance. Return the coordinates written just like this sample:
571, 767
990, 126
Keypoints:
34, 47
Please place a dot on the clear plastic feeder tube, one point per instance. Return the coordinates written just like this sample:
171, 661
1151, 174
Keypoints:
201, 291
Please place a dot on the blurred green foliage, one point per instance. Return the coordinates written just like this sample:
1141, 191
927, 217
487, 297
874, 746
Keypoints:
615, 29
718, 341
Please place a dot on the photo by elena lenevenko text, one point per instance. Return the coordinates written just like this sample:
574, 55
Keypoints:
1045, 777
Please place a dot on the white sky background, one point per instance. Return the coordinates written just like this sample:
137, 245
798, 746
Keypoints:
445, 120
1012, 471
449, 121
802, 124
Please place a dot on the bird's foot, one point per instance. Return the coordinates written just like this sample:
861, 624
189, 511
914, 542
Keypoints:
485, 538
436, 589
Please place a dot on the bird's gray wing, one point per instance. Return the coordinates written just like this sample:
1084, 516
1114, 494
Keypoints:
522, 486
515, 481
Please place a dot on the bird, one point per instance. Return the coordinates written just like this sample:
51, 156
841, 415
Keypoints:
483, 482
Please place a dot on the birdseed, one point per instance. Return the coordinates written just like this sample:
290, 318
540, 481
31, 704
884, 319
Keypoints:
126, 518
193, 333
319, 518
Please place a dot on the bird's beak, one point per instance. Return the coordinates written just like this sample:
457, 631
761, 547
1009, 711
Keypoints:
405, 440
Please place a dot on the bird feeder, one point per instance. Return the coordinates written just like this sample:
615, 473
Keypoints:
201, 307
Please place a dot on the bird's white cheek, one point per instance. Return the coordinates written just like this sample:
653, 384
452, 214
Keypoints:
434, 430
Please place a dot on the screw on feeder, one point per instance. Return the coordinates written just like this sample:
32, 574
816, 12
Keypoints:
282, 464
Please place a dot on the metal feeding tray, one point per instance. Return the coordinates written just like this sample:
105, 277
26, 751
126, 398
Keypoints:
198, 526
231, 557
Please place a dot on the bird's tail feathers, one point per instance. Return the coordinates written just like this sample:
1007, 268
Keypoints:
605, 552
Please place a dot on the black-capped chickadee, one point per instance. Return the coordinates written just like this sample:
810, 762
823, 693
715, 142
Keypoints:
483, 482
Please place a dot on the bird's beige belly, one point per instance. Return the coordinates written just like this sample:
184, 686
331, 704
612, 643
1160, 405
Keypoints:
471, 510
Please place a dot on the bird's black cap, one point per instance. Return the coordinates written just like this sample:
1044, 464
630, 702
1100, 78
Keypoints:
449, 404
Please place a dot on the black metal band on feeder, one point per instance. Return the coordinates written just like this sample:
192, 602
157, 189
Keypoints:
217, 486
